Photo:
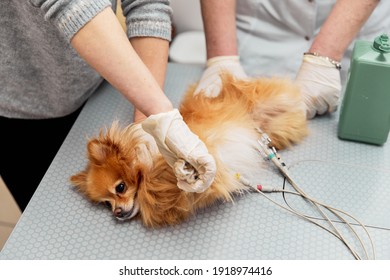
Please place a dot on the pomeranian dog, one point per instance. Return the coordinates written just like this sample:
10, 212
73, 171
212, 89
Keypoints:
126, 171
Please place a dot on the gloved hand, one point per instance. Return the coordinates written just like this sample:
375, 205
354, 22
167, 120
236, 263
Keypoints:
193, 166
148, 147
210, 83
320, 83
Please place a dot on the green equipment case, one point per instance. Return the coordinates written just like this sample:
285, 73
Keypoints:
365, 108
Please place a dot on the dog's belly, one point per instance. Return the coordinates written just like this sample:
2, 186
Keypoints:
240, 155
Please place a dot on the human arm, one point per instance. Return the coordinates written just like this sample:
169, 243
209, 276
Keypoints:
151, 46
94, 31
104, 45
129, 75
219, 21
100, 40
154, 54
319, 79
332, 41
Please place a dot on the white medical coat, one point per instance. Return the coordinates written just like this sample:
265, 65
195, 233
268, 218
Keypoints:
274, 34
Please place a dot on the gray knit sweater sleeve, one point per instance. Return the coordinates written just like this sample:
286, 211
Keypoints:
151, 18
148, 18
70, 15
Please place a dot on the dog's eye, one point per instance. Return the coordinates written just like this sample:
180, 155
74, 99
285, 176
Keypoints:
120, 188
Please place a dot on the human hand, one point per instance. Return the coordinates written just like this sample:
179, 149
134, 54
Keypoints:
319, 80
210, 83
193, 166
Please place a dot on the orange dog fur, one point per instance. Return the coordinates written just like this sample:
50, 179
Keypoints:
126, 170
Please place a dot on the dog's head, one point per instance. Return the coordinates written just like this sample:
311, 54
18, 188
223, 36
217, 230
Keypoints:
117, 162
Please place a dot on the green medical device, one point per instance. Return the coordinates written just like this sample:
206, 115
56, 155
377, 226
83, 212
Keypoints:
365, 109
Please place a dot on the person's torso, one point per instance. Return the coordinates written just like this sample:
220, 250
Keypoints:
273, 35
41, 75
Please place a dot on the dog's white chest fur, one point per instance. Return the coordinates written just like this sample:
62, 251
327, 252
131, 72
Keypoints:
240, 155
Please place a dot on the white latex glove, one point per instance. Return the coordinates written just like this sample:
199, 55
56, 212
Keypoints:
194, 167
147, 148
210, 83
320, 83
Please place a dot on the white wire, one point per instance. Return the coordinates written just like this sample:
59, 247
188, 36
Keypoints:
303, 194
332, 209
296, 213
356, 256
270, 153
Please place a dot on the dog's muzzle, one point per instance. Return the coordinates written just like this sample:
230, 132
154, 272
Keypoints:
123, 215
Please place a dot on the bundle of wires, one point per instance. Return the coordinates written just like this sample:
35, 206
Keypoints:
270, 153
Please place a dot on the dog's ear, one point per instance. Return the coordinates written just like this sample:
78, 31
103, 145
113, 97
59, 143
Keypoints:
79, 180
97, 151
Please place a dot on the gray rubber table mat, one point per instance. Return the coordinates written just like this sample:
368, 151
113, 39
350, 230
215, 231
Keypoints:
60, 224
